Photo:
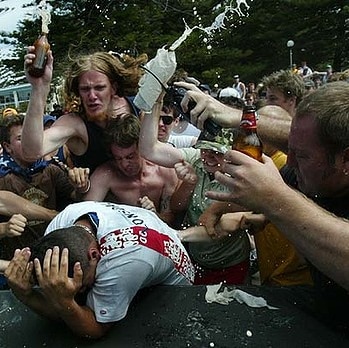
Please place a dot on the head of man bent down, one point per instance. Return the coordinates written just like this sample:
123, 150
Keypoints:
82, 247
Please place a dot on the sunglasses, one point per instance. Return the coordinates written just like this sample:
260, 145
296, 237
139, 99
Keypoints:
166, 119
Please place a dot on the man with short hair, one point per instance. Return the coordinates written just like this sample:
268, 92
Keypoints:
128, 178
284, 89
282, 265
318, 156
169, 119
221, 261
37, 181
106, 250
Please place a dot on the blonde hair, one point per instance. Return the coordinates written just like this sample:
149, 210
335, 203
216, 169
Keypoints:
289, 83
123, 73
9, 112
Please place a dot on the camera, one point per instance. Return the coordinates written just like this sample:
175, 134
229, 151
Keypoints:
175, 96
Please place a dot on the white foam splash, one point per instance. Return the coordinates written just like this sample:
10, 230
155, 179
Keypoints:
45, 14
217, 24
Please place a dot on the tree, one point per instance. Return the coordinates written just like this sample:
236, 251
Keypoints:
252, 45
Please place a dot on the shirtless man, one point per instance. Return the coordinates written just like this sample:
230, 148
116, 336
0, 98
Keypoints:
130, 178
98, 84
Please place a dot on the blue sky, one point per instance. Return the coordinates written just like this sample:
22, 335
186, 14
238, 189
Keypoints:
11, 13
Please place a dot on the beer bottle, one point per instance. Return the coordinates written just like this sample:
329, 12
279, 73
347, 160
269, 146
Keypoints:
42, 46
246, 140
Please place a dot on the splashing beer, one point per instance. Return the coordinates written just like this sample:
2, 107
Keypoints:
216, 25
41, 45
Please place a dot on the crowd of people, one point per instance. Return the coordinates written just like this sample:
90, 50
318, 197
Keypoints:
106, 199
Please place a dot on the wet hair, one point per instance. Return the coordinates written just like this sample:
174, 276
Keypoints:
75, 238
123, 73
286, 81
7, 123
123, 131
330, 108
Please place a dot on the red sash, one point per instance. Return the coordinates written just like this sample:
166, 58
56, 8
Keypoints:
152, 239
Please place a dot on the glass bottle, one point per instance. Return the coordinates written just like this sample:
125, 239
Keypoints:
247, 140
42, 46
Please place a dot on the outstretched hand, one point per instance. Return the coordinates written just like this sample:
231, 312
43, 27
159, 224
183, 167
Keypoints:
251, 183
206, 107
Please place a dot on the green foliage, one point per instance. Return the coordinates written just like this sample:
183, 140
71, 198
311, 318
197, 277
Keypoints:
252, 46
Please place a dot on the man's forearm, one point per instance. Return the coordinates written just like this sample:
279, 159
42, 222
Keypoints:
180, 198
318, 235
33, 124
150, 147
273, 124
10, 204
82, 321
194, 234
37, 302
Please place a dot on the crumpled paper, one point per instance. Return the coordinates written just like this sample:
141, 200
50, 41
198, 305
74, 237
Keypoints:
163, 65
226, 296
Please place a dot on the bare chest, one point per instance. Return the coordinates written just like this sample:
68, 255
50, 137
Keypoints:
129, 190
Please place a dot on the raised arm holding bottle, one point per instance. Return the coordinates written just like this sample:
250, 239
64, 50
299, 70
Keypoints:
273, 124
102, 83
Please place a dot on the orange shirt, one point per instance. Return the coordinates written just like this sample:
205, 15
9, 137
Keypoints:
279, 262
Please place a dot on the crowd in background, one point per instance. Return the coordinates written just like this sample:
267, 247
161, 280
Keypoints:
103, 148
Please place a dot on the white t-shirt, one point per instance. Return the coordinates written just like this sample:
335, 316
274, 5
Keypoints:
128, 237
182, 141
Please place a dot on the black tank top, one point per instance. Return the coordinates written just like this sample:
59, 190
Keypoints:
96, 153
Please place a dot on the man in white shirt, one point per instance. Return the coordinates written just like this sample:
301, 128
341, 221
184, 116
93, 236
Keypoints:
108, 249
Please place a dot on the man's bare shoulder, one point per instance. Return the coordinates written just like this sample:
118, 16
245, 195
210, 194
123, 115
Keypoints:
72, 129
72, 122
106, 170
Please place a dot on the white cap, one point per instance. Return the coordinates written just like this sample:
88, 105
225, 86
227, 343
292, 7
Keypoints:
229, 92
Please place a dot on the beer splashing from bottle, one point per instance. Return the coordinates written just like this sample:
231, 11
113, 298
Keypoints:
45, 14
42, 46
219, 22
